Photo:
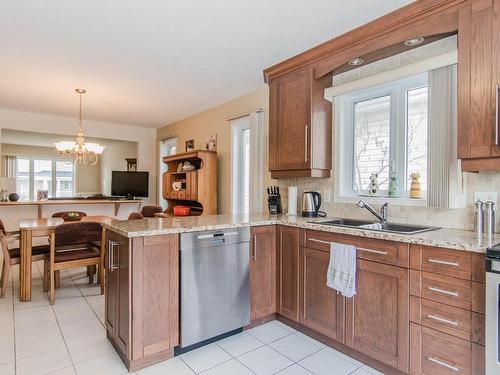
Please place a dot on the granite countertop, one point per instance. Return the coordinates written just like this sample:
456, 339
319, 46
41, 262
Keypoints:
447, 238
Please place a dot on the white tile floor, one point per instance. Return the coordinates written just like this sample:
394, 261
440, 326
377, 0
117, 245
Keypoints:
69, 338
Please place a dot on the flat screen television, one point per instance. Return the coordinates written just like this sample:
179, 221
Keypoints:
129, 184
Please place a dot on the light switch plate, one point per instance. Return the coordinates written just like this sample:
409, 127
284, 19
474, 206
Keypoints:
327, 196
486, 196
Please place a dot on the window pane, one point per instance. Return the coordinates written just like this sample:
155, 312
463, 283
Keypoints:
371, 142
64, 179
246, 170
23, 179
42, 176
416, 121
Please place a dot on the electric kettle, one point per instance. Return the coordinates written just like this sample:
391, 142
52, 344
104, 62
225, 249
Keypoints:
311, 202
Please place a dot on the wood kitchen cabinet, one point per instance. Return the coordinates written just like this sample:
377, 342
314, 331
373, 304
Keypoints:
262, 272
321, 308
478, 79
142, 297
300, 125
288, 272
377, 316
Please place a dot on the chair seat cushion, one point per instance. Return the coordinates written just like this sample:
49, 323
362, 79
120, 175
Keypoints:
75, 254
35, 250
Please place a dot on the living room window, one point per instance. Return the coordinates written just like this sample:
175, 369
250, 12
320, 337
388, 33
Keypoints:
36, 174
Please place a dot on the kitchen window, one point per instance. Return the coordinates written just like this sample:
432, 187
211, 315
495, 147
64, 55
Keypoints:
386, 126
34, 174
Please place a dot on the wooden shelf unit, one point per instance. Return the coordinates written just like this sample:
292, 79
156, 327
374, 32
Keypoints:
199, 186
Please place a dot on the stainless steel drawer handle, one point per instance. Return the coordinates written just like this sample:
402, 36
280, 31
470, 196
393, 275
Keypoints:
443, 320
442, 291
320, 241
440, 362
443, 262
372, 251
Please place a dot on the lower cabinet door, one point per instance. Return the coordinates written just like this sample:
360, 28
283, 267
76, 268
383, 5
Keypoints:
263, 272
377, 317
121, 262
320, 307
111, 289
288, 266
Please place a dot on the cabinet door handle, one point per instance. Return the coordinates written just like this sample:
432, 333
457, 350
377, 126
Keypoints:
306, 146
497, 141
254, 256
320, 241
444, 262
442, 291
443, 320
111, 265
110, 249
372, 251
442, 363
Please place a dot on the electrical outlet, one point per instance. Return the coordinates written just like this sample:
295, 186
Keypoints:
486, 196
327, 196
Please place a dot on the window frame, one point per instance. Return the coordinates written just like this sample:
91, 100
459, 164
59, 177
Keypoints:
31, 180
343, 107
238, 127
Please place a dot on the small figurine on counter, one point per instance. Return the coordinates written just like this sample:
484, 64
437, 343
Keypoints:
415, 191
393, 183
373, 187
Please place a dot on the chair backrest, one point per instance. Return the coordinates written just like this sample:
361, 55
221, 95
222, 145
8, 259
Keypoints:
150, 211
135, 216
2, 228
70, 215
76, 233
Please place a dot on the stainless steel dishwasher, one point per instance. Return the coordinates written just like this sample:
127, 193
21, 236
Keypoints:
215, 283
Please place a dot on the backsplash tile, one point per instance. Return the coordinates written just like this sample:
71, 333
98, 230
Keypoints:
461, 218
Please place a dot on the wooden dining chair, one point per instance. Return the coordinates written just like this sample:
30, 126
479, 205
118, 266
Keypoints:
150, 211
70, 215
12, 256
73, 245
135, 216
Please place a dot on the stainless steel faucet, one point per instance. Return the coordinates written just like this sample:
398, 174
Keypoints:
382, 217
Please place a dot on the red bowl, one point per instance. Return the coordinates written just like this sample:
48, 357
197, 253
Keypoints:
182, 210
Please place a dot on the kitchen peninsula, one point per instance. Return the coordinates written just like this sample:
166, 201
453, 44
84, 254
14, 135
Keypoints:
400, 279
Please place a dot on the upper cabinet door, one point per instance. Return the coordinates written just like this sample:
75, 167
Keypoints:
294, 120
478, 79
300, 125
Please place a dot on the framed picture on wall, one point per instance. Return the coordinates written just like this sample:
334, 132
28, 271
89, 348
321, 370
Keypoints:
190, 145
131, 164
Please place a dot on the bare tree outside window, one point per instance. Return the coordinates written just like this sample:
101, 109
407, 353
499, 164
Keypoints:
416, 128
371, 142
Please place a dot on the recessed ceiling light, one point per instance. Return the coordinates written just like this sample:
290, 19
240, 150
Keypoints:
414, 42
356, 61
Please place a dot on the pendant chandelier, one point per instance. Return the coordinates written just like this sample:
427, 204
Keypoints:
79, 151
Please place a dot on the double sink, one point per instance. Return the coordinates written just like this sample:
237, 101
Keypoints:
376, 226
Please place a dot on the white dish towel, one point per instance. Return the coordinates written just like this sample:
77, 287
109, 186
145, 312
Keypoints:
341, 274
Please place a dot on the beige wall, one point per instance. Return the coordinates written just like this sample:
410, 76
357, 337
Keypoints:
113, 159
87, 179
215, 120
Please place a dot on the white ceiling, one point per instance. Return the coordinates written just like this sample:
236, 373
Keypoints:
152, 62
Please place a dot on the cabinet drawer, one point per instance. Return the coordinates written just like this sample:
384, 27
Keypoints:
444, 354
445, 262
443, 289
444, 318
181, 194
381, 251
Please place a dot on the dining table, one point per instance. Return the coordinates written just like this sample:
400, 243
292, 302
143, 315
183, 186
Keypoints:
40, 227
